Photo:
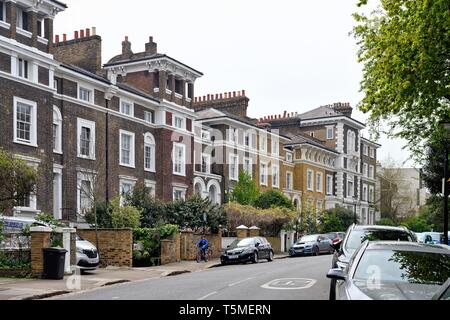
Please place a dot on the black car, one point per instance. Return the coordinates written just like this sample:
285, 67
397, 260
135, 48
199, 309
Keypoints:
388, 270
248, 249
356, 235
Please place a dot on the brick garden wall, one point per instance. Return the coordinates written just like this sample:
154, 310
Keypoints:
189, 241
115, 246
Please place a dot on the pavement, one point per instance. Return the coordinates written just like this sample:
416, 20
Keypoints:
302, 278
35, 289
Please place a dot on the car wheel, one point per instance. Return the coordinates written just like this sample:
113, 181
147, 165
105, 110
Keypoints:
255, 257
333, 290
316, 251
270, 258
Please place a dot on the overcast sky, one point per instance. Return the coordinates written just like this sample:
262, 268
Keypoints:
291, 55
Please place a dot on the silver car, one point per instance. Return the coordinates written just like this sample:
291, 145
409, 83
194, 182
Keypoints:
87, 255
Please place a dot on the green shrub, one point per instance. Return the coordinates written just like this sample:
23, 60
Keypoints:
246, 191
273, 198
124, 216
417, 224
335, 220
270, 221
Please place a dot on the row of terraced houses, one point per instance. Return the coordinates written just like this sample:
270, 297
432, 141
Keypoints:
98, 129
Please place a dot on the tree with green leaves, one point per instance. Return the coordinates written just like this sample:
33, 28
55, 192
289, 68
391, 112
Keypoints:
405, 48
336, 220
17, 178
245, 191
273, 198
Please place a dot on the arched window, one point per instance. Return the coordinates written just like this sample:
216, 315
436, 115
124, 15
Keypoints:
57, 130
149, 152
351, 137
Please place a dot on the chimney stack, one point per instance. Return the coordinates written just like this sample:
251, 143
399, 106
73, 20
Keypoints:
126, 48
151, 47
64, 37
75, 36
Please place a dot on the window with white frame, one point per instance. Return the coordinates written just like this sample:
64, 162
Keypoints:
263, 174
25, 122
329, 185
86, 201
151, 185
330, 133
365, 192
2, 11
127, 107
310, 180
179, 122
206, 163
319, 186
206, 135
372, 172
21, 19
371, 194
319, 206
23, 68
365, 170
57, 130
149, 152
263, 143
233, 138
275, 176
234, 167
365, 150
350, 188
248, 166
248, 139
275, 146
372, 152
179, 193
148, 116
40, 28
126, 189
289, 181
254, 139
127, 145
86, 139
351, 141
289, 157
84, 94
179, 159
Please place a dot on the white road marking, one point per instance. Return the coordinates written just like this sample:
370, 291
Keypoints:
308, 283
208, 295
239, 282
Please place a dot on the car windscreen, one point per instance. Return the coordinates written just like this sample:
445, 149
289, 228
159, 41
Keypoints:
331, 236
404, 266
308, 239
242, 243
356, 237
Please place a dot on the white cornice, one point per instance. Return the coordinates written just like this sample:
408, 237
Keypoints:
16, 47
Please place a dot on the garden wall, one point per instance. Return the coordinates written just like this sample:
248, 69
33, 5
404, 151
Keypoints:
115, 246
276, 243
189, 242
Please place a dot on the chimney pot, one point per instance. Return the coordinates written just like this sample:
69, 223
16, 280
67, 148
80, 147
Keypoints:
64, 37
234, 94
126, 38
75, 35
94, 31
57, 38
81, 33
229, 95
88, 32
217, 96
221, 96
243, 93
204, 98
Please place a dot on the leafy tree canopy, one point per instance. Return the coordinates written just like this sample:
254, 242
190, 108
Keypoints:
17, 178
246, 191
273, 198
336, 220
405, 48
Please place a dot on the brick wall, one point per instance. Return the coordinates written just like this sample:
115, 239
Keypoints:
5, 62
188, 245
115, 246
39, 241
85, 52
276, 243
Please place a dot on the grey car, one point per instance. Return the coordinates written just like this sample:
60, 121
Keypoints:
312, 245
388, 270
87, 255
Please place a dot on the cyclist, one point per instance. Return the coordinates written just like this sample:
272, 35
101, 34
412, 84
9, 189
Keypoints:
203, 246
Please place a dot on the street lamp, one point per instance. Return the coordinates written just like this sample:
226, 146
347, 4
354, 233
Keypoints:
446, 182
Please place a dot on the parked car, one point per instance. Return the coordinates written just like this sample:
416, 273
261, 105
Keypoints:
312, 245
356, 235
444, 292
335, 236
87, 255
388, 270
248, 249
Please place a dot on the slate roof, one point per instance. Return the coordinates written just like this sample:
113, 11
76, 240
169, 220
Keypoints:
305, 139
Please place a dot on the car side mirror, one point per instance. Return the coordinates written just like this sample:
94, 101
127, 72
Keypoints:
336, 274
257, 244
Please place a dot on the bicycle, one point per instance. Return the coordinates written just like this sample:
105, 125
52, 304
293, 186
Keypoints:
202, 256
